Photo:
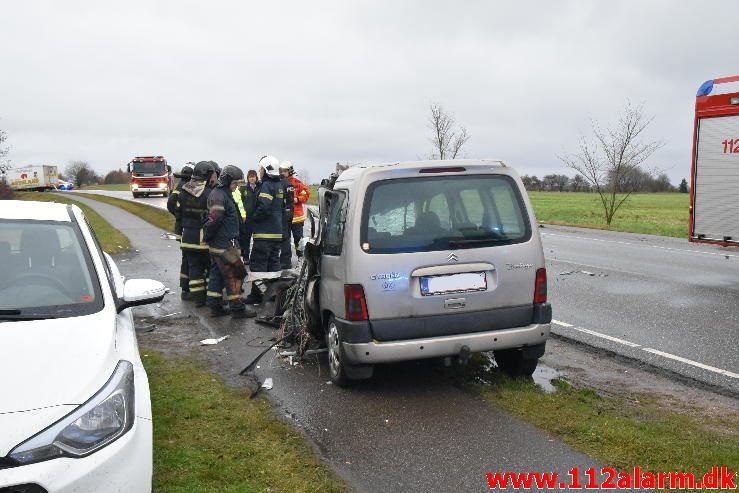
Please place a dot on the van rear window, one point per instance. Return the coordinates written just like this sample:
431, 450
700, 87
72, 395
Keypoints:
443, 213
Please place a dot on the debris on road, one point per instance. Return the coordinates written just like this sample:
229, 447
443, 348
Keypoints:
211, 342
267, 384
169, 236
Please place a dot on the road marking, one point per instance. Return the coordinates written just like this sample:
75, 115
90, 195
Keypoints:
649, 350
681, 250
611, 269
691, 362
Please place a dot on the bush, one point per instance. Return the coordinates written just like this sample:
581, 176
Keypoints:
6, 193
117, 178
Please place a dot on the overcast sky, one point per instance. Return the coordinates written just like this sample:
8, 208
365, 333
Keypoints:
320, 82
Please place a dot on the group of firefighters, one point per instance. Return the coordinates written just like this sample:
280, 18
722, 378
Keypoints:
218, 214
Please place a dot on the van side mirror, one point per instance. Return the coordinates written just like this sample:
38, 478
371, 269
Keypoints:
137, 292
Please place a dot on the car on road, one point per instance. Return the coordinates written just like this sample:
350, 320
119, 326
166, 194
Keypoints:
75, 411
429, 259
64, 185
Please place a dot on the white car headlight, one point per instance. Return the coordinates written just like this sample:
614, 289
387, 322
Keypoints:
104, 418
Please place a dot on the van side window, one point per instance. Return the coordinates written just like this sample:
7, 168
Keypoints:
334, 239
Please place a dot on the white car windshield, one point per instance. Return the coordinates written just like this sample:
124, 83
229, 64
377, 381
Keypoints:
46, 272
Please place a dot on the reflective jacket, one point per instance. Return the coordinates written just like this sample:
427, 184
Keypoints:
269, 210
249, 198
174, 206
222, 226
193, 209
301, 194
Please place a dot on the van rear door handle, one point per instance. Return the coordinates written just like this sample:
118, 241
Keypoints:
455, 303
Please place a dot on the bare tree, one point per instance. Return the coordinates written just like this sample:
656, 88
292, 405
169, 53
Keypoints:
304, 175
81, 173
447, 137
613, 154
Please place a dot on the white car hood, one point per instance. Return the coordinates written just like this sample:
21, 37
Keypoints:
47, 363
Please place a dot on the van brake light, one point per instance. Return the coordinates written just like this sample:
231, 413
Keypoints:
355, 303
540, 286
447, 169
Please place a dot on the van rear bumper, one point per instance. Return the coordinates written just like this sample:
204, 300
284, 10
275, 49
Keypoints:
434, 347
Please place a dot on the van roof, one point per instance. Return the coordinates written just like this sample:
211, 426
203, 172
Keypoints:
356, 171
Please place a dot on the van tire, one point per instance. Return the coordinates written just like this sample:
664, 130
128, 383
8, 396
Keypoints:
341, 373
514, 363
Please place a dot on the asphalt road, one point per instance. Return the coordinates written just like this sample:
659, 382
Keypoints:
658, 300
410, 429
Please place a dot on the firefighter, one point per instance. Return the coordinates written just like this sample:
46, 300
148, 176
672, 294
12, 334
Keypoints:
174, 207
221, 232
249, 195
264, 261
301, 194
193, 209
286, 252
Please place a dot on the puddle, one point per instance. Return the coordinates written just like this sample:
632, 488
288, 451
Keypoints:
543, 377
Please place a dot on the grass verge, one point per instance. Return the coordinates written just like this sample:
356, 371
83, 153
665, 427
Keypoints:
118, 187
211, 437
153, 215
112, 240
620, 432
664, 214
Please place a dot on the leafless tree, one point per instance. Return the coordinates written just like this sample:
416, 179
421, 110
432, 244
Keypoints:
447, 137
81, 173
303, 175
612, 154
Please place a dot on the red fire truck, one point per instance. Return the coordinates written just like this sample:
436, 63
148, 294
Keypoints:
714, 207
150, 175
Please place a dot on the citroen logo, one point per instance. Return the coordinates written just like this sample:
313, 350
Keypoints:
452, 258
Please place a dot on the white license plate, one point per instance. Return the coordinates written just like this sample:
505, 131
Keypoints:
454, 283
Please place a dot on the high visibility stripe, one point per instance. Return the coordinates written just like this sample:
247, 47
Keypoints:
213, 294
216, 207
195, 282
184, 276
268, 236
239, 202
178, 237
232, 297
193, 246
266, 195
216, 250
298, 219
197, 290
280, 194
175, 192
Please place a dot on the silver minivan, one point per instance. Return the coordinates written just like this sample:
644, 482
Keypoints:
429, 259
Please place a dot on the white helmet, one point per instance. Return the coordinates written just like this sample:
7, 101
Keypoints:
270, 165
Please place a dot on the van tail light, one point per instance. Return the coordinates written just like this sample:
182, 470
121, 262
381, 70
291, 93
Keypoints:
540, 286
356, 304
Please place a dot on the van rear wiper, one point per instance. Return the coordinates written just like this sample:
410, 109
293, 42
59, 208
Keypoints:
475, 241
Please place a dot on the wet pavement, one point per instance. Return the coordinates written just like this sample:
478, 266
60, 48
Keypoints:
410, 428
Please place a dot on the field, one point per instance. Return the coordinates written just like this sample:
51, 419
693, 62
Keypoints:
664, 214
120, 187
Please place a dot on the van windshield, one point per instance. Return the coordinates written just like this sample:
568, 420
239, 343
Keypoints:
443, 213
153, 167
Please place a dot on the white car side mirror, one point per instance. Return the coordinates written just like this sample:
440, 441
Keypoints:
138, 292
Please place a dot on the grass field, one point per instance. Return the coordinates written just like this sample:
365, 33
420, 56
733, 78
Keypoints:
124, 187
112, 240
638, 431
153, 215
664, 214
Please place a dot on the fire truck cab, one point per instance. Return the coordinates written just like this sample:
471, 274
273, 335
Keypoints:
150, 175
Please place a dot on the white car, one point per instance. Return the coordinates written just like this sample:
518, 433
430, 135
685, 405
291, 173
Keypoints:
75, 412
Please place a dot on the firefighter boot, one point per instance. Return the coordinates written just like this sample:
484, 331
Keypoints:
218, 311
198, 298
255, 297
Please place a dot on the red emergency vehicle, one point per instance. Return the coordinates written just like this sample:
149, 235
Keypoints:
714, 191
150, 175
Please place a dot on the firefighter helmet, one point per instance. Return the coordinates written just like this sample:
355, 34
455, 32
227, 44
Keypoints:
185, 173
270, 165
203, 170
287, 165
229, 175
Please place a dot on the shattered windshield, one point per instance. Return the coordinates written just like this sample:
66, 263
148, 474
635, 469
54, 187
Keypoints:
443, 213
46, 272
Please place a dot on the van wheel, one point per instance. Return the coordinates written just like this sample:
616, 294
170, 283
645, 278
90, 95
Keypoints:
513, 363
340, 372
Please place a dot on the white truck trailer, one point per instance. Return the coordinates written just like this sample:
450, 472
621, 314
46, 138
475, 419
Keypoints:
33, 178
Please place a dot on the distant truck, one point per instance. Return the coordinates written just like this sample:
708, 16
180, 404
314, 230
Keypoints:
150, 175
714, 209
32, 178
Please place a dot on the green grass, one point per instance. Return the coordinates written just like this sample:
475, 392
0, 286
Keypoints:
619, 432
313, 200
664, 214
153, 215
111, 240
119, 187
211, 437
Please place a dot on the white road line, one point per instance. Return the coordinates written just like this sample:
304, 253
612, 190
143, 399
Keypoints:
680, 250
599, 267
649, 350
691, 362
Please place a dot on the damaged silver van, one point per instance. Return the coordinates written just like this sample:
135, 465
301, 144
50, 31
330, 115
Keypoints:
428, 259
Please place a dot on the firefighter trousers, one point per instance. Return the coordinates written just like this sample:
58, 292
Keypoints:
265, 256
198, 262
224, 276
184, 274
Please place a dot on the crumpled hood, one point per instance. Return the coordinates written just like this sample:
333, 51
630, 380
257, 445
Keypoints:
47, 363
